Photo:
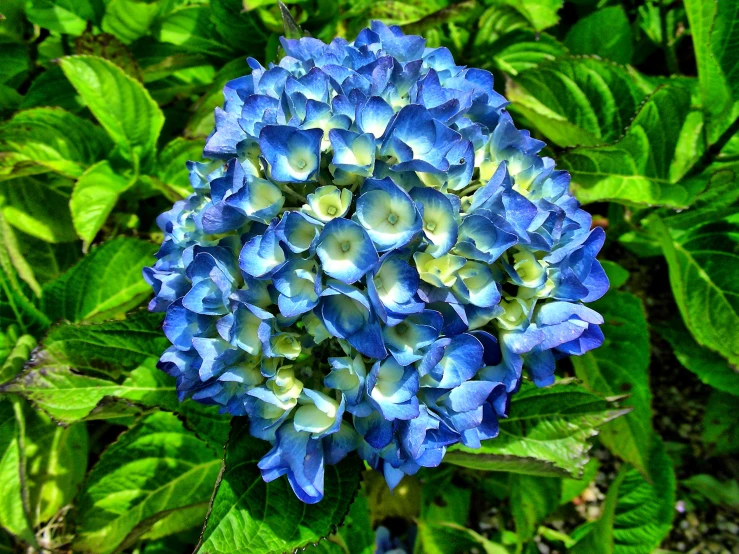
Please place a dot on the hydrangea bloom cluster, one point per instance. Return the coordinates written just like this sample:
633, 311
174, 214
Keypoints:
370, 258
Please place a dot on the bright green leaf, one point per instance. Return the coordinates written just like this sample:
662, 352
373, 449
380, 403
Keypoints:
62, 16
154, 468
572, 488
545, 434
250, 516
130, 20
13, 508
18, 355
37, 205
95, 194
121, 104
452, 538
715, 38
637, 169
191, 28
53, 138
56, 462
587, 35
171, 168
621, 367
69, 397
106, 282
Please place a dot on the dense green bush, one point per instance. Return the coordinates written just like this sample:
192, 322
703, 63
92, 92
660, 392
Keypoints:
102, 103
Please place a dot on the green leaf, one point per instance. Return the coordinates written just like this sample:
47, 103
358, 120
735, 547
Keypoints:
541, 14
95, 194
621, 367
545, 434
32, 205
638, 168
726, 493
239, 26
12, 260
355, 536
171, 168
715, 39
130, 20
616, 274
47, 261
56, 461
710, 368
452, 538
703, 264
14, 64
106, 349
13, 500
248, 515
52, 88
106, 282
69, 397
54, 139
191, 28
120, 103
518, 51
442, 500
208, 424
638, 514
721, 424
16, 358
62, 16
576, 101
532, 500
572, 488
586, 36
154, 468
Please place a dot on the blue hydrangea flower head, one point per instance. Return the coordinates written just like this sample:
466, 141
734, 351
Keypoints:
371, 260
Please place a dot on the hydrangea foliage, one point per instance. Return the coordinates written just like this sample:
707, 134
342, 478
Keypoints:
371, 258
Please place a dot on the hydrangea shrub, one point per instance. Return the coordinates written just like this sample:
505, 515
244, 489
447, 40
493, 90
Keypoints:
371, 257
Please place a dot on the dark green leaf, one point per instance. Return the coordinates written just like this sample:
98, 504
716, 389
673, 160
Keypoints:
105, 283
587, 35
715, 491
577, 101
249, 516
532, 500
703, 265
637, 514
710, 368
721, 424
154, 468
171, 168
52, 88
452, 538
191, 28
546, 433
621, 367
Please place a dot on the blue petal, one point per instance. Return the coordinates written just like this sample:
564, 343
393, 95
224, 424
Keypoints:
345, 250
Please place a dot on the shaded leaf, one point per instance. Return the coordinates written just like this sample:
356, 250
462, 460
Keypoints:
703, 265
532, 500
452, 538
63, 16
587, 35
621, 367
721, 424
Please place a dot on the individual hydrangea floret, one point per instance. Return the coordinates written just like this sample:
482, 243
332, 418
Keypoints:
370, 259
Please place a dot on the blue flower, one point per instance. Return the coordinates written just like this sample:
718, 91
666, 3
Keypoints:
373, 258
293, 154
